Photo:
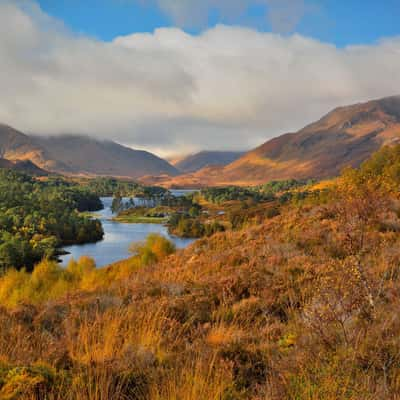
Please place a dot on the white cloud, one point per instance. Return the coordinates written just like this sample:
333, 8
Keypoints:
169, 91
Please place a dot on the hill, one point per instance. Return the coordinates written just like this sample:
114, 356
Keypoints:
5, 163
23, 166
16, 146
344, 137
80, 155
14, 149
85, 155
197, 161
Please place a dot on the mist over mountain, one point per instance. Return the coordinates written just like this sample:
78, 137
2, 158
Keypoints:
80, 155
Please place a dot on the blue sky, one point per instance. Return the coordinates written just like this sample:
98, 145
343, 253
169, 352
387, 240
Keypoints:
342, 22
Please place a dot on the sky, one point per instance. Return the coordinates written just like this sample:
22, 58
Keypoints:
178, 76
339, 22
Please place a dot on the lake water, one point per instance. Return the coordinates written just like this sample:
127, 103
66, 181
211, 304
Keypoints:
117, 238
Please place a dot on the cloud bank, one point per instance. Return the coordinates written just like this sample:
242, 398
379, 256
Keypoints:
171, 92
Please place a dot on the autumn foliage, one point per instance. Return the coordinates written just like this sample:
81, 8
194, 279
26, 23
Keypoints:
303, 305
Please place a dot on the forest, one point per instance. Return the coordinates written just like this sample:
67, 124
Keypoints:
265, 192
37, 217
299, 303
107, 187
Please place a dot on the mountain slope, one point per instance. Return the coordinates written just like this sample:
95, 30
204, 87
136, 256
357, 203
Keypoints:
344, 137
16, 146
24, 166
86, 155
197, 161
80, 155
5, 163
28, 167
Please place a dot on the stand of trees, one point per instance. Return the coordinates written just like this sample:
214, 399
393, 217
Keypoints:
106, 187
183, 225
38, 217
285, 185
221, 195
267, 192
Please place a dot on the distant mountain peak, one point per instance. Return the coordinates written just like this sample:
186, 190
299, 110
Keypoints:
205, 158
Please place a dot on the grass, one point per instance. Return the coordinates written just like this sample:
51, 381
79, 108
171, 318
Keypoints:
134, 219
90, 214
143, 215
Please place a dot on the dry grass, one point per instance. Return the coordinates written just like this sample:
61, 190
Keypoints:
297, 307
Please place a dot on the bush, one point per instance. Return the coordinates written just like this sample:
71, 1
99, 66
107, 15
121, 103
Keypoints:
27, 382
155, 248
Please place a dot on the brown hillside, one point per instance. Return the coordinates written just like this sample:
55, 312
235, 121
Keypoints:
346, 136
23, 166
16, 146
85, 155
80, 155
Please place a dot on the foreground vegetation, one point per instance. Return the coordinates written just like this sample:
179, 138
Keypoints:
298, 304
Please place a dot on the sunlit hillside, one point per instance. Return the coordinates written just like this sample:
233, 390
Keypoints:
344, 137
300, 305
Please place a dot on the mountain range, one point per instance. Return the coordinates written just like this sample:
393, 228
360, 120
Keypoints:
80, 155
344, 137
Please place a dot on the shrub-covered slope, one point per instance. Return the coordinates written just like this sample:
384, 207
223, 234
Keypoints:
301, 306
